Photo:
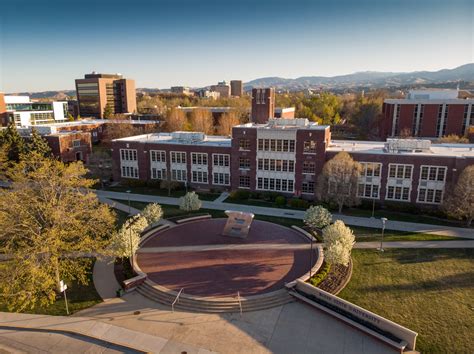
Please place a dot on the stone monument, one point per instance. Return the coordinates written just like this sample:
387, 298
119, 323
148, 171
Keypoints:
238, 224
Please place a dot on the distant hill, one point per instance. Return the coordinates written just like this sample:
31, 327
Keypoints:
373, 79
361, 80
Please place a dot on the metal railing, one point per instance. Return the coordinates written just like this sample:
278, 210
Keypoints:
240, 302
176, 300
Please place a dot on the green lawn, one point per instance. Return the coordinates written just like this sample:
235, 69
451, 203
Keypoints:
428, 291
79, 297
399, 216
161, 192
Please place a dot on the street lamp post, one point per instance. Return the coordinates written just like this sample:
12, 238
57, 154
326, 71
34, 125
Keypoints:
311, 256
384, 220
131, 246
129, 208
373, 207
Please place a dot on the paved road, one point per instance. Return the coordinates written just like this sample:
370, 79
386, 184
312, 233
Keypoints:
299, 214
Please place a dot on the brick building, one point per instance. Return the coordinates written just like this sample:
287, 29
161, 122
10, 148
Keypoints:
428, 114
236, 88
95, 91
286, 156
263, 105
68, 146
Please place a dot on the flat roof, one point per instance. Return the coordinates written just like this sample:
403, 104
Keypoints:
377, 147
97, 121
430, 100
171, 138
285, 124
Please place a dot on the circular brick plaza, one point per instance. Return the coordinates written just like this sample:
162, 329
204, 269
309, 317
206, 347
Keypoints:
195, 256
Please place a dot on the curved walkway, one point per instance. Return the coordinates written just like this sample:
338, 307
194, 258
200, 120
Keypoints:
299, 214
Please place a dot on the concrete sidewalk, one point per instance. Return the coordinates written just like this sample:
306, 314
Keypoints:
261, 246
89, 330
299, 214
417, 244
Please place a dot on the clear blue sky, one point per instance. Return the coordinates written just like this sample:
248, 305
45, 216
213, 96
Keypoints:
45, 45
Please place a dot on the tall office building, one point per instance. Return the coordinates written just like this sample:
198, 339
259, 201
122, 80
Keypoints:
95, 91
236, 88
223, 88
263, 105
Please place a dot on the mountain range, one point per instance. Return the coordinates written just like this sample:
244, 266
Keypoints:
462, 75
374, 79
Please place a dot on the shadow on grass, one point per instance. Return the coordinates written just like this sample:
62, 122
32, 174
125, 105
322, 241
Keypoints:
457, 281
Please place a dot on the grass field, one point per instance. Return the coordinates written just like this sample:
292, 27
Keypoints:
428, 291
79, 297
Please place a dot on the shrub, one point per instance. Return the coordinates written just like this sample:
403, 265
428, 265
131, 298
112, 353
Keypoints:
316, 279
133, 182
190, 202
280, 201
298, 203
317, 217
270, 196
240, 194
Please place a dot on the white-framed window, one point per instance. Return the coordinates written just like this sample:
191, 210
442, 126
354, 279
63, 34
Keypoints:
431, 184
220, 178
276, 165
178, 157
369, 180
178, 175
221, 160
198, 158
275, 184
199, 176
244, 144
158, 156
76, 143
309, 167
399, 182
158, 173
309, 147
307, 187
244, 181
244, 163
128, 155
400, 171
279, 145
129, 172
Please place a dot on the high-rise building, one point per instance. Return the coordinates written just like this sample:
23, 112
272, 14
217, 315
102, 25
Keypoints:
96, 91
223, 88
427, 113
236, 88
263, 105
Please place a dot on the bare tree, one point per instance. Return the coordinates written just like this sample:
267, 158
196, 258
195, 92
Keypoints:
460, 202
202, 121
175, 120
338, 181
226, 122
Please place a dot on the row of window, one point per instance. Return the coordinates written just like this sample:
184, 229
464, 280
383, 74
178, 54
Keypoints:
279, 145
196, 158
276, 165
275, 184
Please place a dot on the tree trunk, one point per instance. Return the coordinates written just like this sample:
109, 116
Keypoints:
340, 207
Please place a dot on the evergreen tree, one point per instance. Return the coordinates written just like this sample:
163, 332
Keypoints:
38, 144
13, 143
108, 111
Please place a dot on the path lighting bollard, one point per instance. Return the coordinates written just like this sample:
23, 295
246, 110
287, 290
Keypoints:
384, 220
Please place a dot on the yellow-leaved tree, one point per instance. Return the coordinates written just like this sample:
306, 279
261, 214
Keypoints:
49, 220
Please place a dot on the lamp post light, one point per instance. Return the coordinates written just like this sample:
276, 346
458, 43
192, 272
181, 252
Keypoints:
311, 256
129, 208
373, 208
384, 220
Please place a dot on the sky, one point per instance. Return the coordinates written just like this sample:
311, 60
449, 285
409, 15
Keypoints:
45, 45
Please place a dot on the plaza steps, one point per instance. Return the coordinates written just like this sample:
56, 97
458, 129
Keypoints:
213, 304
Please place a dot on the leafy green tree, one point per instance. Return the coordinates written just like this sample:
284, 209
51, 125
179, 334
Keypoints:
124, 243
152, 213
190, 202
48, 219
38, 144
13, 143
